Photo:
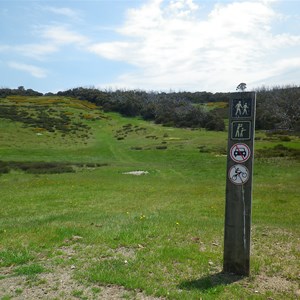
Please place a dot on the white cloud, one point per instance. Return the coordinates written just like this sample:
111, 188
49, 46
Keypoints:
114, 50
63, 11
182, 8
4, 48
173, 47
31, 69
52, 39
37, 51
62, 35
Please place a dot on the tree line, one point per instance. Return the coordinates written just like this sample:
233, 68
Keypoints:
170, 109
278, 108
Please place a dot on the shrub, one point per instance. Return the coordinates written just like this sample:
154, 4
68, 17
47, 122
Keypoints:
161, 147
4, 169
285, 138
136, 148
279, 150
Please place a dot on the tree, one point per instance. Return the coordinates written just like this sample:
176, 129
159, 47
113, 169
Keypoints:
241, 87
278, 108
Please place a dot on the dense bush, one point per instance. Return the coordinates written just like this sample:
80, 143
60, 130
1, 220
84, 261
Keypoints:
277, 108
170, 109
214, 121
44, 167
21, 91
278, 150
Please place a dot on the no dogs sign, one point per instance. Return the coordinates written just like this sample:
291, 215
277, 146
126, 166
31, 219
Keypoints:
240, 152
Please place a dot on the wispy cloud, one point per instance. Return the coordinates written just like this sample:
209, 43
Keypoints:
62, 35
4, 48
174, 46
36, 51
51, 38
31, 69
63, 11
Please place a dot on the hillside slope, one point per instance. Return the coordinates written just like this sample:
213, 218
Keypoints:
74, 218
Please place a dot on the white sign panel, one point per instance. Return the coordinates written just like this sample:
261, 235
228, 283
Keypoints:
238, 174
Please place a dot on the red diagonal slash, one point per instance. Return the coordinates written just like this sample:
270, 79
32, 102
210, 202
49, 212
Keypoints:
240, 153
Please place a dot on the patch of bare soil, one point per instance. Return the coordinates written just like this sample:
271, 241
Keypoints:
60, 284
276, 284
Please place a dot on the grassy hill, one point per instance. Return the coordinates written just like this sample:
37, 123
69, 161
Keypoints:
70, 214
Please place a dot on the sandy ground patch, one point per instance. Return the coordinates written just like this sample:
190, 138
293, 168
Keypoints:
60, 284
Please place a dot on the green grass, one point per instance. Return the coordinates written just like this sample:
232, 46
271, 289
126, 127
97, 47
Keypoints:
14, 256
29, 270
161, 232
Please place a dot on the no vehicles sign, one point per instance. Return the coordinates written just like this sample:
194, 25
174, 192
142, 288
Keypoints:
240, 152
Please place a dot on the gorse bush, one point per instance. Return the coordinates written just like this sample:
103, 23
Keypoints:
44, 167
169, 109
43, 118
279, 150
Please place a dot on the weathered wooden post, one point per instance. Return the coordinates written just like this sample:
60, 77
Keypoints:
239, 183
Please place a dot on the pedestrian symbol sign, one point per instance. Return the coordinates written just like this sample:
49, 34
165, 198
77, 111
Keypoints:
240, 152
238, 174
240, 130
241, 108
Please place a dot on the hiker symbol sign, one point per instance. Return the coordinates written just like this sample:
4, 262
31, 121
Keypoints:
241, 108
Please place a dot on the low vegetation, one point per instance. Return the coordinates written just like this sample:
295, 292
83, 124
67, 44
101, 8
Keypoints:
135, 209
279, 150
34, 167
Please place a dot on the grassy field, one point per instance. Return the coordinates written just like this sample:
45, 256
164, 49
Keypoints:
79, 228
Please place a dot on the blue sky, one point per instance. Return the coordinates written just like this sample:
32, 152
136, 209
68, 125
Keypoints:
159, 45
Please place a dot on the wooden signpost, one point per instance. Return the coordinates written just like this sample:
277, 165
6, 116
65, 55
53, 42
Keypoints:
239, 184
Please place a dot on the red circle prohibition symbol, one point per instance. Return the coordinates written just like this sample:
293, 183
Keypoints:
240, 152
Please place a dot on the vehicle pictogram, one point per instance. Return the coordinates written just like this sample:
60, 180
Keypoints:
240, 152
